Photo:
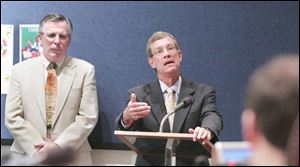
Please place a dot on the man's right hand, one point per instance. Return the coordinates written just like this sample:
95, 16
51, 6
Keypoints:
135, 110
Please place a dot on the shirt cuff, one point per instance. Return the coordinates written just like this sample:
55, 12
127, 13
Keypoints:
123, 124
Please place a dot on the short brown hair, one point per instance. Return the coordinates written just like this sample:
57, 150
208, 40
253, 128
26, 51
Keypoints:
273, 94
157, 36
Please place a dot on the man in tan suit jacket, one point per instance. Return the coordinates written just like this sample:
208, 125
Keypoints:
76, 109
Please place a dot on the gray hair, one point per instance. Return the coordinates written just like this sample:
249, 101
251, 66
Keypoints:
55, 17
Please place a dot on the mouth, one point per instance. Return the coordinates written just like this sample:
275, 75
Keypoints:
56, 50
169, 62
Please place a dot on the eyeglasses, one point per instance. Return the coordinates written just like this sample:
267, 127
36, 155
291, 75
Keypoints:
160, 51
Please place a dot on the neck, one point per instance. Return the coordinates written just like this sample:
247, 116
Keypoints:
55, 59
267, 154
169, 80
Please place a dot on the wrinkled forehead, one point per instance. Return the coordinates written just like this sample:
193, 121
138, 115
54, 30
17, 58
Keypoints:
60, 27
163, 42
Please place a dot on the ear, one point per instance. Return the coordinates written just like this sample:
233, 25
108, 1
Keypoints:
70, 40
180, 55
39, 37
249, 125
151, 63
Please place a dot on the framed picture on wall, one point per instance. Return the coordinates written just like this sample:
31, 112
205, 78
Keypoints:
30, 45
7, 36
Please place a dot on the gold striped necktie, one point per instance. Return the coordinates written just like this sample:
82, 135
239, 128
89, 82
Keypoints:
170, 103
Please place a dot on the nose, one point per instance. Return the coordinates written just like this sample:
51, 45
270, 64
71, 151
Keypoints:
166, 53
56, 39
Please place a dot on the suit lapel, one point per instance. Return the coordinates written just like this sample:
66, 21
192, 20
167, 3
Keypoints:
38, 87
66, 80
156, 100
185, 90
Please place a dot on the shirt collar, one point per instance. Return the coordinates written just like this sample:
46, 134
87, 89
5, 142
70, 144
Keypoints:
47, 62
175, 87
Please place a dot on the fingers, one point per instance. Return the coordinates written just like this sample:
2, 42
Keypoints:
138, 110
38, 147
135, 110
198, 133
44, 149
207, 138
137, 104
191, 130
132, 98
201, 134
140, 114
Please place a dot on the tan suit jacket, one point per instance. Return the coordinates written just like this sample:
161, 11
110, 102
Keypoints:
76, 113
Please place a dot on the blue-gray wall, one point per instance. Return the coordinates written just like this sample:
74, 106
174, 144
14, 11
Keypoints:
222, 43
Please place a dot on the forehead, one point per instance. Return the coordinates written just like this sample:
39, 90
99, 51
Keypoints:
59, 27
162, 42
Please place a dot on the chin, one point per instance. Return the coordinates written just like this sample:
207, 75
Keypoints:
171, 69
54, 57
170, 72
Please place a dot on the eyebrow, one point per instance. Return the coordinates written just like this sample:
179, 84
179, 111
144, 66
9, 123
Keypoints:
56, 33
169, 44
